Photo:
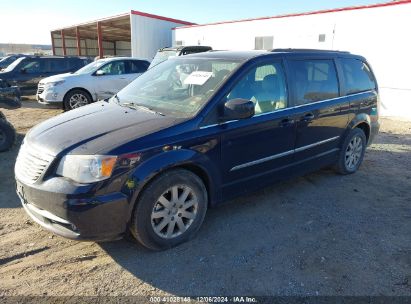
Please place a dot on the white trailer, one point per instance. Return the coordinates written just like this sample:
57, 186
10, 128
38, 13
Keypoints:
379, 32
150, 33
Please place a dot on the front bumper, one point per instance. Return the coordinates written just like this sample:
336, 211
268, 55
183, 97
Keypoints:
76, 216
51, 97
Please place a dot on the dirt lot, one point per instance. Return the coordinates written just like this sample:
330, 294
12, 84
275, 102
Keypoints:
322, 234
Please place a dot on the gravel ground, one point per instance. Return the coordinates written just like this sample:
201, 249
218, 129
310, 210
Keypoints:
321, 234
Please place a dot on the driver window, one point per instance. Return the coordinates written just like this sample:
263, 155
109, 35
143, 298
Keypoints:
114, 68
265, 86
33, 67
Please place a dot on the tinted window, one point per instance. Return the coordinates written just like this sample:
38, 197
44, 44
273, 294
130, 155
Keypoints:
357, 76
76, 64
265, 86
7, 60
314, 80
58, 65
117, 67
135, 66
33, 66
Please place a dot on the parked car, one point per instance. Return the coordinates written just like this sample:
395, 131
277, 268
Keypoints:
6, 61
97, 81
169, 52
190, 133
26, 72
9, 99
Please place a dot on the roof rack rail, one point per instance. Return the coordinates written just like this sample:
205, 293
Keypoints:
307, 50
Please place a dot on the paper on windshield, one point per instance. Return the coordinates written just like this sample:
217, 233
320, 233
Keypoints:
198, 77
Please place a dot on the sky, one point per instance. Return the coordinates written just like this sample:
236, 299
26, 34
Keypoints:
30, 21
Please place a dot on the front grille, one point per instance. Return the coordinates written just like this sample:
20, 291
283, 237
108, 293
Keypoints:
31, 164
40, 89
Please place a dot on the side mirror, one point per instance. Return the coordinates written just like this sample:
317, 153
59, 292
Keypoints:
238, 109
100, 73
23, 71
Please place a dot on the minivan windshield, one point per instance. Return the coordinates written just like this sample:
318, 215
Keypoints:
14, 64
179, 87
7, 60
91, 67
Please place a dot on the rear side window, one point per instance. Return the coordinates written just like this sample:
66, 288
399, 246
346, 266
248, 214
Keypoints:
357, 75
76, 64
135, 66
314, 80
58, 65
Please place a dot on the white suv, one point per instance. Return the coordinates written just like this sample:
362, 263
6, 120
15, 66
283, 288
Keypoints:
98, 80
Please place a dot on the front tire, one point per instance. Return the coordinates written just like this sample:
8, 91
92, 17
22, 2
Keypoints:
7, 135
352, 152
75, 99
170, 210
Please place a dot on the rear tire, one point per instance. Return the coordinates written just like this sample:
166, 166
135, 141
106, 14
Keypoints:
352, 152
75, 99
170, 210
7, 135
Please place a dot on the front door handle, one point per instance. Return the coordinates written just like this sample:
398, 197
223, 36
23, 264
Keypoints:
287, 122
307, 117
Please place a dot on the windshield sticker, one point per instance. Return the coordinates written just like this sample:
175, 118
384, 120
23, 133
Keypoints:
198, 78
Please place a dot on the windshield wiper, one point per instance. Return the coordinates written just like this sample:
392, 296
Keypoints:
135, 106
117, 98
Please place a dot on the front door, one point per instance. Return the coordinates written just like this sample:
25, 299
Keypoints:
255, 150
110, 79
29, 72
320, 113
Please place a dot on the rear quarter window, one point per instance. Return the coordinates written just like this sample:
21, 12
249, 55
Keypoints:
357, 76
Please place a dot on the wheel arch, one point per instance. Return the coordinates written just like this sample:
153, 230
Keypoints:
365, 127
363, 122
163, 163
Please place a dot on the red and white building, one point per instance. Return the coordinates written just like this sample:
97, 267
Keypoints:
134, 34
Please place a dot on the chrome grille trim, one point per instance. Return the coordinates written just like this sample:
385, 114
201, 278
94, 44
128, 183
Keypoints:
40, 89
31, 164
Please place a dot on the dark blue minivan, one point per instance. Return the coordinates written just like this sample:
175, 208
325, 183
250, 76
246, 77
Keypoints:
193, 132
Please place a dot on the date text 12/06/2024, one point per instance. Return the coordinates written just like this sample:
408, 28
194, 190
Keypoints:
171, 299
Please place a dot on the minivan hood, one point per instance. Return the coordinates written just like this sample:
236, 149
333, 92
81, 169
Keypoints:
95, 128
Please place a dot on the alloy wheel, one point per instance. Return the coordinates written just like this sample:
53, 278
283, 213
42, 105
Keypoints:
353, 153
78, 100
174, 212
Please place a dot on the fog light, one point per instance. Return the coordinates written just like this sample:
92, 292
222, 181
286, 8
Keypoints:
55, 95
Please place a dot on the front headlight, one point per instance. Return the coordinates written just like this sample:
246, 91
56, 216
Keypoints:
53, 84
87, 168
